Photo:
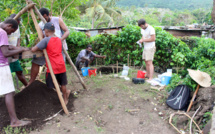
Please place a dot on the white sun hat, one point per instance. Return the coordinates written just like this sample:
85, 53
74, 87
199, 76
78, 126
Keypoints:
202, 78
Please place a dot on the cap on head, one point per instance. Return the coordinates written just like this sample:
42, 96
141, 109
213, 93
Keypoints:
49, 26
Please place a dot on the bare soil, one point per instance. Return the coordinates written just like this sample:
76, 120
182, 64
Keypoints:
111, 106
36, 103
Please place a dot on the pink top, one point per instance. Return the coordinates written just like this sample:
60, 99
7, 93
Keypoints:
3, 42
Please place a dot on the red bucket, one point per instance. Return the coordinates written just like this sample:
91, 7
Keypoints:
141, 74
92, 72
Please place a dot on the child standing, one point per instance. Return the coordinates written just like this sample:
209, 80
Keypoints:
53, 45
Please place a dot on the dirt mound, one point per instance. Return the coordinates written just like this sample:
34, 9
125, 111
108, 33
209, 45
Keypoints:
36, 102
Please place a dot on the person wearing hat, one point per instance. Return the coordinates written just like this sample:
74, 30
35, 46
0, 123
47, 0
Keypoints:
86, 57
53, 46
61, 31
14, 40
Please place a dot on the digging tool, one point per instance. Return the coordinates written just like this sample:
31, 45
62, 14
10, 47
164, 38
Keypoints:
49, 64
193, 98
202, 79
64, 50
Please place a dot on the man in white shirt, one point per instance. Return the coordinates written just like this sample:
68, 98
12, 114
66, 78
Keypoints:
148, 38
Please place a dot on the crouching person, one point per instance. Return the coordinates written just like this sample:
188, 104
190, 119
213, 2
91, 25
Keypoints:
53, 45
6, 82
86, 57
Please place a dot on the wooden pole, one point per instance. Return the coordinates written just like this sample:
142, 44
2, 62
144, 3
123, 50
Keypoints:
96, 62
117, 67
29, 6
128, 60
193, 98
49, 64
64, 50
130, 63
74, 68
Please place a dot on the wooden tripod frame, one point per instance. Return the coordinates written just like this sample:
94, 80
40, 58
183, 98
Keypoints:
30, 7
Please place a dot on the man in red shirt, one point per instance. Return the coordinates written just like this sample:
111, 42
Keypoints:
53, 45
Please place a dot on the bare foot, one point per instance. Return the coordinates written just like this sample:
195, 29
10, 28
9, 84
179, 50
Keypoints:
66, 99
20, 123
149, 81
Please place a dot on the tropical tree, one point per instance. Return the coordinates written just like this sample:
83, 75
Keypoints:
213, 12
101, 10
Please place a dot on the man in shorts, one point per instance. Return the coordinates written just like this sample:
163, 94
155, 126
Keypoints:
53, 45
14, 39
86, 57
6, 81
61, 31
148, 38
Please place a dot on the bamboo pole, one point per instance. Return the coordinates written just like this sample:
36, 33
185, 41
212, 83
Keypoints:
64, 50
29, 6
49, 64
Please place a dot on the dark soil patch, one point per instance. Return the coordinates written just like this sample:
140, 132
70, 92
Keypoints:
108, 70
36, 102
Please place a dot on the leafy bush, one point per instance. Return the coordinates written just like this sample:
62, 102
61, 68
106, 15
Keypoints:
196, 53
76, 42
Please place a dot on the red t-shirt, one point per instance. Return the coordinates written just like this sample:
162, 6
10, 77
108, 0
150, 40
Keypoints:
53, 46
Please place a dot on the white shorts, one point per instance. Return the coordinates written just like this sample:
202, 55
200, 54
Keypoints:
148, 54
6, 81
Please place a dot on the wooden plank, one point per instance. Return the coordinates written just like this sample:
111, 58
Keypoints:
28, 54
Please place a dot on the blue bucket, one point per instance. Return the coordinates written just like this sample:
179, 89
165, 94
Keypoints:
165, 80
84, 71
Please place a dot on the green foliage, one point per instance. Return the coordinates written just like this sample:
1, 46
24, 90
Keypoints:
179, 80
171, 4
198, 54
76, 42
206, 117
17, 130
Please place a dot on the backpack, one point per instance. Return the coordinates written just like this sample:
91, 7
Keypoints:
179, 98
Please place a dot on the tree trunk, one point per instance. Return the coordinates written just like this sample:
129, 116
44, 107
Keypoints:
213, 12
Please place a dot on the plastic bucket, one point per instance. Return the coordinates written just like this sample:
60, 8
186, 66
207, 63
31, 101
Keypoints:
165, 80
84, 71
92, 72
141, 74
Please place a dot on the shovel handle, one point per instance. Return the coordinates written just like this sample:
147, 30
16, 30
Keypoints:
193, 98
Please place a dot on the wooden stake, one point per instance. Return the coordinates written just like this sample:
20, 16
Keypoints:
193, 98
96, 62
128, 60
130, 63
49, 64
64, 50
117, 67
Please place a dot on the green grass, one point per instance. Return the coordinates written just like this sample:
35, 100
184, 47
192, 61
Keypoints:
17, 130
